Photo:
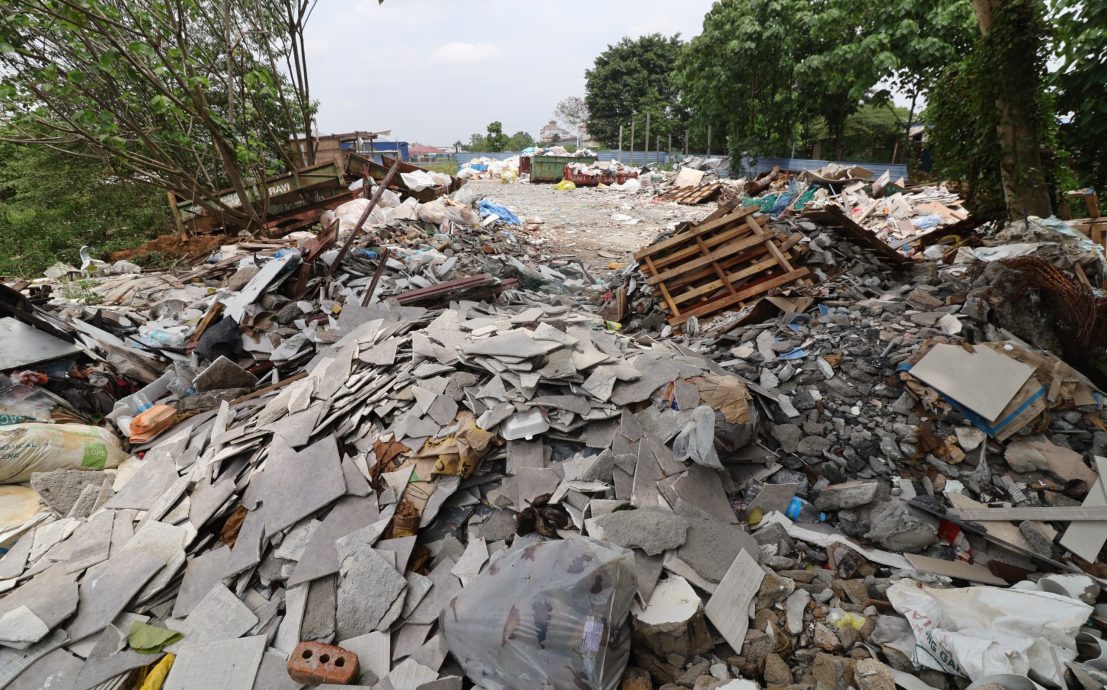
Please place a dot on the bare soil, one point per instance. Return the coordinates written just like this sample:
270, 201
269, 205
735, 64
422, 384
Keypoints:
580, 222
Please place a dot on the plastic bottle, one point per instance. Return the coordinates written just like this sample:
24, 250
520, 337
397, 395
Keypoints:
800, 510
142, 403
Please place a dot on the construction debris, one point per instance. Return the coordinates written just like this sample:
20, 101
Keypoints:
764, 453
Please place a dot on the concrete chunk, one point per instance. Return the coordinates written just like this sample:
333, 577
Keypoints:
846, 495
651, 529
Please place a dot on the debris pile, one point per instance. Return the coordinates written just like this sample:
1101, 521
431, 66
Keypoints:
438, 454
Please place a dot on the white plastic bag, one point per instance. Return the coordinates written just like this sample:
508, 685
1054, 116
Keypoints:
433, 212
350, 212
547, 614
418, 180
27, 448
976, 632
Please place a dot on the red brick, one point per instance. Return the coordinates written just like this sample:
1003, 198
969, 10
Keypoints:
313, 663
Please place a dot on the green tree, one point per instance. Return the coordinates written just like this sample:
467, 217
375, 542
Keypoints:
992, 116
189, 96
963, 139
1082, 44
739, 74
631, 79
519, 141
1012, 50
496, 140
477, 142
911, 43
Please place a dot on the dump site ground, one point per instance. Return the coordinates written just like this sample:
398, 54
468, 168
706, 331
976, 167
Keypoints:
631, 429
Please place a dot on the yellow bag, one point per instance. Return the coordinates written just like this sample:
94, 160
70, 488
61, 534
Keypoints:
565, 185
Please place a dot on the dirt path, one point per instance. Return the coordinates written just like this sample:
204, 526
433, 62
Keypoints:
580, 221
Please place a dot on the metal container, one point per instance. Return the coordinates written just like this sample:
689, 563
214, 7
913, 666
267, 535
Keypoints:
550, 168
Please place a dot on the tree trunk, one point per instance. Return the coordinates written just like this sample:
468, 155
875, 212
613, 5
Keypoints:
907, 131
1024, 185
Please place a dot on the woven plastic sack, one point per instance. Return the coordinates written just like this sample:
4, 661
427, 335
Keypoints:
547, 614
27, 448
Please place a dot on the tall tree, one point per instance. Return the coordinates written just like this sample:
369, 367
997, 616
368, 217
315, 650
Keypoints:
1013, 43
1082, 45
630, 79
573, 111
496, 140
190, 96
739, 74
519, 141
911, 42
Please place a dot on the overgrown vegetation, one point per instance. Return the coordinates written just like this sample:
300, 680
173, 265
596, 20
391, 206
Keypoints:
189, 96
51, 204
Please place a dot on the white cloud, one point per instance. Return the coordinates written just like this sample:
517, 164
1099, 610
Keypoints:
465, 53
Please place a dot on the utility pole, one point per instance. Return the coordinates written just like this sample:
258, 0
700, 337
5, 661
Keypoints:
670, 145
632, 138
619, 156
657, 148
646, 157
685, 142
709, 140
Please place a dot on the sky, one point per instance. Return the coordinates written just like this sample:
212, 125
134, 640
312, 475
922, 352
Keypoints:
435, 71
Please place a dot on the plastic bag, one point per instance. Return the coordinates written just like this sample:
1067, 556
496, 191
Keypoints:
27, 448
350, 212
547, 614
488, 208
389, 199
433, 212
417, 180
565, 185
975, 632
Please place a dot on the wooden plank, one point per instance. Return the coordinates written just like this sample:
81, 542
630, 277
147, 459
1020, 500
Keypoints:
691, 250
664, 291
720, 253
759, 267
696, 278
770, 242
734, 229
730, 300
700, 229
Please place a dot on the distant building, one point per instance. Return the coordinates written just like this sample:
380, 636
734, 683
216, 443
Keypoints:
332, 146
422, 150
552, 133
586, 140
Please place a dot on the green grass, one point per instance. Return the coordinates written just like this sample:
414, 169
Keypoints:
448, 167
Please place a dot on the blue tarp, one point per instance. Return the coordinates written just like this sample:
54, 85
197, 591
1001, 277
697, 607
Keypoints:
487, 208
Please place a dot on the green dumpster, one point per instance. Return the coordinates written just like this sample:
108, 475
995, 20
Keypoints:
549, 168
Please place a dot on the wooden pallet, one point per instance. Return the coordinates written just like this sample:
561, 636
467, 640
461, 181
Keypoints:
690, 196
726, 261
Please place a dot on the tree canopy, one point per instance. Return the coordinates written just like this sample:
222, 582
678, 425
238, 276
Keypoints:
1081, 31
629, 80
191, 96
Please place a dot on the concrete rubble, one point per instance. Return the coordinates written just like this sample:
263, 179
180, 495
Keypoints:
330, 452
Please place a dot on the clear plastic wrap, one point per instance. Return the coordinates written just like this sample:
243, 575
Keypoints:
547, 614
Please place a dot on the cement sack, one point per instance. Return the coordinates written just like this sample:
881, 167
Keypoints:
350, 212
418, 180
975, 632
433, 212
389, 199
27, 448
546, 614
462, 215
